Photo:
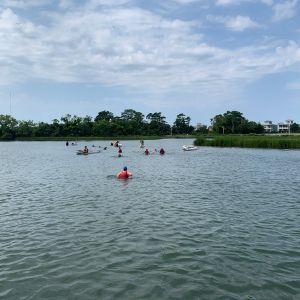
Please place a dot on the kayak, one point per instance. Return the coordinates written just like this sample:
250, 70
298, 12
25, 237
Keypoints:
80, 152
189, 148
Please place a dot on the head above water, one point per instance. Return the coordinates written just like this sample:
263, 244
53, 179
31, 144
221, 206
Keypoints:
125, 169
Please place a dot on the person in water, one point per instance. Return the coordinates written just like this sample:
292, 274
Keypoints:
120, 152
67, 143
161, 151
124, 174
85, 150
147, 152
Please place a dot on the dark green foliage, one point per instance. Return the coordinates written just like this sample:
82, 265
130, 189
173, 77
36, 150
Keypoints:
157, 124
8, 126
104, 116
130, 123
234, 122
295, 128
133, 124
182, 125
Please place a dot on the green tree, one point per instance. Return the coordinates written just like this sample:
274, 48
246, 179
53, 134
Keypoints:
202, 130
44, 129
86, 126
132, 121
8, 126
218, 124
229, 122
234, 122
252, 127
26, 129
132, 115
295, 128
182, 125
104, 115
157, 124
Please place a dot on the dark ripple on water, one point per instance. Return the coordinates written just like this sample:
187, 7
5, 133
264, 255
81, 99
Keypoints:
210, 224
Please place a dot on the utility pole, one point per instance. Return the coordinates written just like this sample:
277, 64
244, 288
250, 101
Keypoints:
10, 102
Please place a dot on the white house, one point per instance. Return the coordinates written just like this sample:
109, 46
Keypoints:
284, 127
269, 127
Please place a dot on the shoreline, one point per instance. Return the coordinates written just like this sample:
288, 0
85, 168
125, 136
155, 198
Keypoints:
96, 138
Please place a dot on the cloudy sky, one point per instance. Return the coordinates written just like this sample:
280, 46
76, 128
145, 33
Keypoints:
199, 57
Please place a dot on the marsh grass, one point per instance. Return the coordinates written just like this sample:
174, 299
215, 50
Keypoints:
247, 141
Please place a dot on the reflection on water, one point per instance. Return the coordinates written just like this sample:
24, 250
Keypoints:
208, 224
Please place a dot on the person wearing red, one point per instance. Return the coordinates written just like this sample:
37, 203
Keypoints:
124, 174
162, 151
147, 152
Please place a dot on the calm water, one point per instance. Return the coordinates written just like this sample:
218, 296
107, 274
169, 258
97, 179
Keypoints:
209, 224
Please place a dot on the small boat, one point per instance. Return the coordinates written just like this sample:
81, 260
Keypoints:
80, 152
189, 148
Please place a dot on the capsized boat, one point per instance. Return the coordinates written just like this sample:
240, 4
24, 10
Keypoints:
189, 148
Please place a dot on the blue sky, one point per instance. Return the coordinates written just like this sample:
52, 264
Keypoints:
198, 57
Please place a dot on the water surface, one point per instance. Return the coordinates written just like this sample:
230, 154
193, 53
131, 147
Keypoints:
217, 223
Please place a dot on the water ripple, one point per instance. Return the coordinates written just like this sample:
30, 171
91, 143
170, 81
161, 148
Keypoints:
210, 224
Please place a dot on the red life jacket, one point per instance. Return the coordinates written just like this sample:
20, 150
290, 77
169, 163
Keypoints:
123, 175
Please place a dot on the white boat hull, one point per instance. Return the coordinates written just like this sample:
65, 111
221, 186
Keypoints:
189, 148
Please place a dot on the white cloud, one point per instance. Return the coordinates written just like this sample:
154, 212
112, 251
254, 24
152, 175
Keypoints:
93, 4
24, 4
281, 11
186, 1
285, 10
131, 47
238, 2
238, 23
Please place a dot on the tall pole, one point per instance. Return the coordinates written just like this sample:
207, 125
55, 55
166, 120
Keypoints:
10, 102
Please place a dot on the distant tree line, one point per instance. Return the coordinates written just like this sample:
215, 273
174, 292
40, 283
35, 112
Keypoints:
129, 123
234, 122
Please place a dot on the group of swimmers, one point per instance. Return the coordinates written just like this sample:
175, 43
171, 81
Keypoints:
123, 174
73, 144
161, 151
116, 144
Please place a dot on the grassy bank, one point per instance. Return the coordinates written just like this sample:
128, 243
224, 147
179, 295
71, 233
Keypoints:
245, 141
101, 138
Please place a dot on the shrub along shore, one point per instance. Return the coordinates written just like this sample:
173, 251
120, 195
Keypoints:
101, 138
247, 141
